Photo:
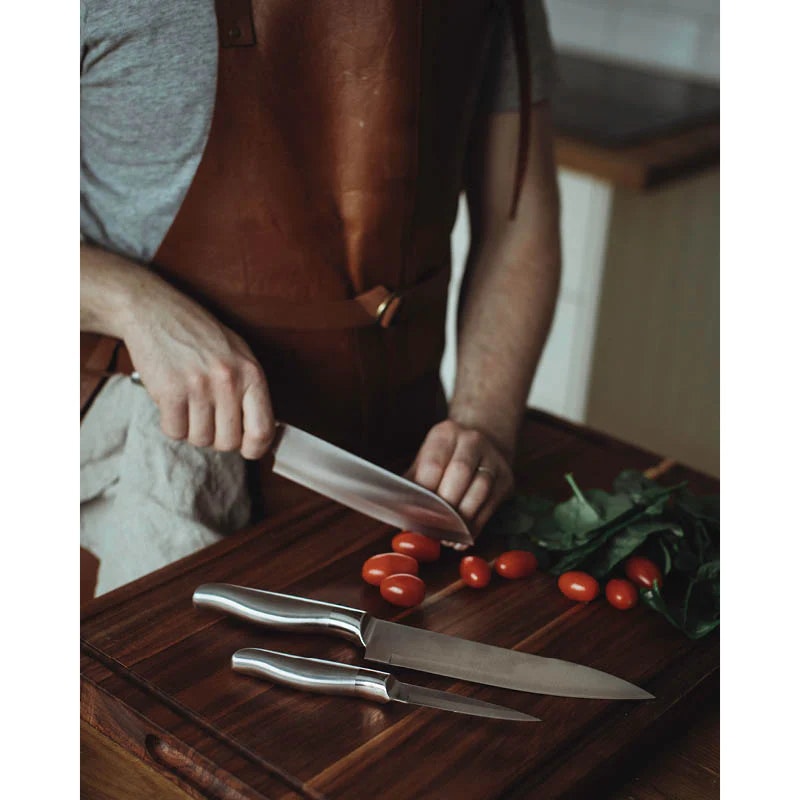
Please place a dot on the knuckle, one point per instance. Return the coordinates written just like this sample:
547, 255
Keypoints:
462, 466
431, 461
201, 438
252, 373
227, 445
172, 431
449, 427
471, 437
223, 375
197, 383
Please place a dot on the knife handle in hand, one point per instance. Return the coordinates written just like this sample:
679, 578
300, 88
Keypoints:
314, 674
282, 611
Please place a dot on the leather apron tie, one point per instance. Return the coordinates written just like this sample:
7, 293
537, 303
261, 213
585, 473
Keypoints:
318, 223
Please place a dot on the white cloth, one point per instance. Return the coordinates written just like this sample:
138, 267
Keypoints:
147, 500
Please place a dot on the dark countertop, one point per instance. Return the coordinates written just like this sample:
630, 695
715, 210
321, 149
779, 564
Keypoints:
633, 127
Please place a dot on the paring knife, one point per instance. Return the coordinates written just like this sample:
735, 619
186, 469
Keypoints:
364, 486
328, 677
415, 648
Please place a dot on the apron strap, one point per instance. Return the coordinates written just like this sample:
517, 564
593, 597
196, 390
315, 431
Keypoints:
377, 306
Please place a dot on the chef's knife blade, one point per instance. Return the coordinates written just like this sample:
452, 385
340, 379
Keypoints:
415, 648
328, 677
365, 487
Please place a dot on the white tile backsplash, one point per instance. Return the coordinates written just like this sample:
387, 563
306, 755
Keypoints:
681, 36
582, 26
647, 36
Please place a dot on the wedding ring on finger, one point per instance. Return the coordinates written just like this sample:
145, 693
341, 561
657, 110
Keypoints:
489, 472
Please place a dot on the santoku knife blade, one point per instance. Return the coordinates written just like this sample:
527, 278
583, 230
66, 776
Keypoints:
364, 486
328, 677
415, 648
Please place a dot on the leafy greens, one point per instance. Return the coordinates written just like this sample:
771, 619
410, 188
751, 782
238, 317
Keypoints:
596, 531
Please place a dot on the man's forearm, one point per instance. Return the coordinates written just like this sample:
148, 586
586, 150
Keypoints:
109, 284
512, 281
505, 318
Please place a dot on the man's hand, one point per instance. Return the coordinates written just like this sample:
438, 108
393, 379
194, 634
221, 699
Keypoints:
466, 468
208, 386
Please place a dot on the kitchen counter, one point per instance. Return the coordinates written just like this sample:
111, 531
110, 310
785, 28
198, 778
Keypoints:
633, 128
156, 685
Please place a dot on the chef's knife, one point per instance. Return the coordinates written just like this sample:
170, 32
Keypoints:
328, 677
364, 486
415, 648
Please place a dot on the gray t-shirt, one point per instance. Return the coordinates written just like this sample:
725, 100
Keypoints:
148, 81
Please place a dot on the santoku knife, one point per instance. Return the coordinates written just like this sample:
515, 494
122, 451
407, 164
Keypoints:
416, 648
328, 677
364, 486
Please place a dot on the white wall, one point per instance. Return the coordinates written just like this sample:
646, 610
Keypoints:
681, 36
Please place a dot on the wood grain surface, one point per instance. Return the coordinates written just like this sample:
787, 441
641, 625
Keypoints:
156, 678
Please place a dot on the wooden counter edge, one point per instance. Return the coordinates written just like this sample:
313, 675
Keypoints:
647, 165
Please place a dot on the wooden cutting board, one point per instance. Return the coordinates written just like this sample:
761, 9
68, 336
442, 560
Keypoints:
155, 673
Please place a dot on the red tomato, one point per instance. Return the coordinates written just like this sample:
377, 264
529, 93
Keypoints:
475, 572
403, 590
516, 564
579, 586
376, 568
423, 548
643, 572
622, 594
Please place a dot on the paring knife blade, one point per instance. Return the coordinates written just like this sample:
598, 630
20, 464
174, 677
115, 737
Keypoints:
329, 677
365, 487
415, 648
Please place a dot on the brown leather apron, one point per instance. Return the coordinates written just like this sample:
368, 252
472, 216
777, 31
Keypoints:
318, 222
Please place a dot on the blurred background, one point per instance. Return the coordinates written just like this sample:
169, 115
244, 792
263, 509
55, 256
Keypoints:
634, 348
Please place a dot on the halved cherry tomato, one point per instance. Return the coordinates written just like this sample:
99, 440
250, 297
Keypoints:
423, 548
376, 568
475, 571
516, 564
622, 594
403, 590
579, 586
643, 572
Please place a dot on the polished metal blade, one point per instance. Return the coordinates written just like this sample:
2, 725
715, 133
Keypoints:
447, 701
402, 646
365, 487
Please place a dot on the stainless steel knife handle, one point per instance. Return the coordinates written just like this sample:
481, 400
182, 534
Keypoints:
282, 611
314, 674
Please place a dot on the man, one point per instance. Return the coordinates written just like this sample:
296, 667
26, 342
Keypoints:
265, 228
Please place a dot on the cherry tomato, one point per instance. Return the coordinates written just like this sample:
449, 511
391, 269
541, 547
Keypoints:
475, 571
622, 594
579, 586
516, 564
643, 572
376, 568
403, 590
423, 548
